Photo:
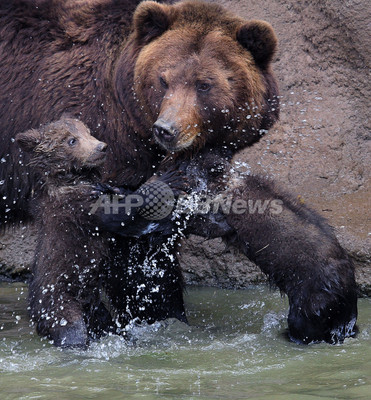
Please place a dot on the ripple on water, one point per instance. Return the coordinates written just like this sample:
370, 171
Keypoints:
233, 348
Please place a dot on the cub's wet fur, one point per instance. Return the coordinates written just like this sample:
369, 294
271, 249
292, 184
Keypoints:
73, 256
290, 242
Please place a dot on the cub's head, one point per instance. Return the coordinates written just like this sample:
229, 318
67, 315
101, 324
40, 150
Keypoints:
63, 147
202, 76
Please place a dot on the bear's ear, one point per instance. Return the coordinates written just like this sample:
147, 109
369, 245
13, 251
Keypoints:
260, 40
151, 20
28, 140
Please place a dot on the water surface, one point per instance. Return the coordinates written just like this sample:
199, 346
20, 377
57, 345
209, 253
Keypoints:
234, 348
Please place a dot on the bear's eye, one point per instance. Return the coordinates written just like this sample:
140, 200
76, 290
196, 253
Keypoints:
72, 141
203, 86
163, 83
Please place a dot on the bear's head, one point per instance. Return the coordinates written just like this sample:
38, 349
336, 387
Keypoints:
200, 76
62, 148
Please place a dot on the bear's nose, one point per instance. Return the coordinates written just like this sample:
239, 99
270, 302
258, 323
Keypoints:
164, 130
102, 147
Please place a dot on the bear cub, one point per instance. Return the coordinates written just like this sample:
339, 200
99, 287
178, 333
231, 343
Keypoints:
64, 292
292, 245
72, 254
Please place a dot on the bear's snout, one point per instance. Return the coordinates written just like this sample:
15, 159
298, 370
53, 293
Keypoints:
164, 131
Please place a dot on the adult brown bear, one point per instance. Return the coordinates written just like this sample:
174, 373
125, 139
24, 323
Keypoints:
90, 60
179, 78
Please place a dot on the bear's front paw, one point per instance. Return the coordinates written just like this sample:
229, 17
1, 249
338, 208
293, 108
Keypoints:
174, 178
71, 335
326, 324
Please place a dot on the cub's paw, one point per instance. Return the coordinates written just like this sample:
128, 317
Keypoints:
103, 188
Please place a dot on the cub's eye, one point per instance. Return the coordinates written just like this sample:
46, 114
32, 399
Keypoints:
163, 83
203, 86
72, 141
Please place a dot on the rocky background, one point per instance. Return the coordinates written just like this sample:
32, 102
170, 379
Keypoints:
320, 150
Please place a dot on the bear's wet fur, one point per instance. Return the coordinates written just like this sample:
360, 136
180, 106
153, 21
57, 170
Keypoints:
291, 243
113, 67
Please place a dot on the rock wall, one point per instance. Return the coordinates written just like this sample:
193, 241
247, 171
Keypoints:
321, 149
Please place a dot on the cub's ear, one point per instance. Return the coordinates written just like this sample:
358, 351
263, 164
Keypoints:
151, 20
260, 40
28, 140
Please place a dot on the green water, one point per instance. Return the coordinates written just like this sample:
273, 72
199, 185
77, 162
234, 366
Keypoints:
234, 348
